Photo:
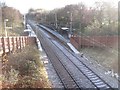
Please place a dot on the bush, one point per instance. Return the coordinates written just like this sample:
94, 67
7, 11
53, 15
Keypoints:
25, 70
96, 29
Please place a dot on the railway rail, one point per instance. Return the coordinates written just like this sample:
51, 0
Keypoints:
95, 79
64, 75
70, 69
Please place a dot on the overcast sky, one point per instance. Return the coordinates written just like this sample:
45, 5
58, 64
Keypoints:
25, 5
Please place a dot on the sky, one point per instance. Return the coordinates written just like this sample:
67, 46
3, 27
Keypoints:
25, 5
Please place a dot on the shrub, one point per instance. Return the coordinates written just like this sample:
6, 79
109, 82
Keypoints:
25, 70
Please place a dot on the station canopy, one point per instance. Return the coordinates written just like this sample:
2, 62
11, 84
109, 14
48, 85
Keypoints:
64, 28
27, 30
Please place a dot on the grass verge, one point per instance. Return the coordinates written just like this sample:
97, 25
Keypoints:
108, 58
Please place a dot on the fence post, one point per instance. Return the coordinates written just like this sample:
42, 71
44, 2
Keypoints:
13, 44
3, 45
8, 40
24, 44
26, 40
20, 42
16, 43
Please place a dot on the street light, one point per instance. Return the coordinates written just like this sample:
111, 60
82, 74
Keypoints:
6, 20
56, 25
71, 20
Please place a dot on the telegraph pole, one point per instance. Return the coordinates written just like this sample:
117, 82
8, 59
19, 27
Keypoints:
71, 20
56, 25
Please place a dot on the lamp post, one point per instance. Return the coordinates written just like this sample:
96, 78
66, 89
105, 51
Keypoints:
5, 27
56, 25
81, 17
71, 20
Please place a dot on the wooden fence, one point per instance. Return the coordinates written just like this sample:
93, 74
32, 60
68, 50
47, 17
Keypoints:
9, 44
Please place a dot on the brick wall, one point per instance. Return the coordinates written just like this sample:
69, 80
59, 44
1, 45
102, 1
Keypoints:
94, 41
8, 44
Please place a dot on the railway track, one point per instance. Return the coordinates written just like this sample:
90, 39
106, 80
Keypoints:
94, 78
69, 68
64, 75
